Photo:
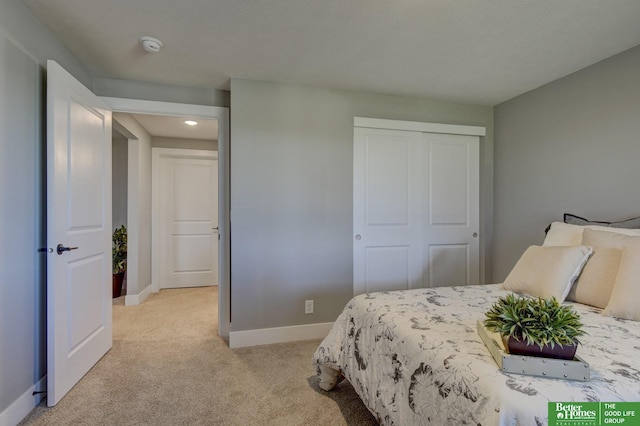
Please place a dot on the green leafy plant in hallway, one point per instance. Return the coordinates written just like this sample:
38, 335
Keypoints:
120, 250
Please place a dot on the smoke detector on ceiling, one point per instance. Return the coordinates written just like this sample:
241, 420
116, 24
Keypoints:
151, 44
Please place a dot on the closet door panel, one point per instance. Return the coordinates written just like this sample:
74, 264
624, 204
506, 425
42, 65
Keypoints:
386, 215
451, 217
448, 190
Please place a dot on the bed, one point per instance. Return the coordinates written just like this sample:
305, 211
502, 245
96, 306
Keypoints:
414, 357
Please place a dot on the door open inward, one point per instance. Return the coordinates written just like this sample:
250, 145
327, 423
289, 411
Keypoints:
79, 323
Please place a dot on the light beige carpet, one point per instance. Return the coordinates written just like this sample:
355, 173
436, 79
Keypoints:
168, 367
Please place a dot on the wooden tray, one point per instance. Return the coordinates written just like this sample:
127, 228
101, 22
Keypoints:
576, 369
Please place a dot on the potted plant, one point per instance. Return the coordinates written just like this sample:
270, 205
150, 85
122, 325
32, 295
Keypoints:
535, 327
119, 252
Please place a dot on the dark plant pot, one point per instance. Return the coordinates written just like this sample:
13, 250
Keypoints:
559, 352
116, 284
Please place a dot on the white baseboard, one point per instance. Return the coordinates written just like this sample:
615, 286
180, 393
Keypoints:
136, 299
266, 336
22, 406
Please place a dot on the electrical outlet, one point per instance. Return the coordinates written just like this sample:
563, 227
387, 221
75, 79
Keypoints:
308, 306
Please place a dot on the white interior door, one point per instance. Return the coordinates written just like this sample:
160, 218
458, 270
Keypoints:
79, 223
416, 209
187, 198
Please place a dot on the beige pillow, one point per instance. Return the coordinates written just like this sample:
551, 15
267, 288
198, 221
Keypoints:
563, 234
596, 282
547, 271
626, 290
566, 234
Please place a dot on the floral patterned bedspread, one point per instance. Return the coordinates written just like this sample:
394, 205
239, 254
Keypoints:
415, 358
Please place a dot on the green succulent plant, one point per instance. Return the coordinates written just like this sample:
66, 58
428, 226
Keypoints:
537, 321
119, 250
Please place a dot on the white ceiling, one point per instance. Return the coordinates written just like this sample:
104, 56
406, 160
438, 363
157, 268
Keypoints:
472, 51
174, 127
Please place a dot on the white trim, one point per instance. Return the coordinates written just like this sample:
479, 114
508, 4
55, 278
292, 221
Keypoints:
416, 126
138, 106
21, 407
224, 222
266, 336
136, 299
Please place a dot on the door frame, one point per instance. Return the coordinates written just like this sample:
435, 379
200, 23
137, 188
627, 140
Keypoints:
137, 106
156, 241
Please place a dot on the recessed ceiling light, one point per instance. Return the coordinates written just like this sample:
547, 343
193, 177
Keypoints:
190, 123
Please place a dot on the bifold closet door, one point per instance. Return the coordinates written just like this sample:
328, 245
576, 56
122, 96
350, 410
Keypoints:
415, 210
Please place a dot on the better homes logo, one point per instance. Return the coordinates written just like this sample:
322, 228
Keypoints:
563, 413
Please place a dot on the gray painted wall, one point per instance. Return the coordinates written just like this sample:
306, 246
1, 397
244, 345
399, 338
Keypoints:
21, 274
181, 143
571, 146
24, 47
139, 204
291, 194
22, 29
119, 181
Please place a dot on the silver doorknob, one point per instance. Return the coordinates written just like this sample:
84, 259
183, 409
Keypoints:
358, 237
475, 235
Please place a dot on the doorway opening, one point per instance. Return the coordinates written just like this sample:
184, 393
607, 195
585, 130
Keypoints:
148, 126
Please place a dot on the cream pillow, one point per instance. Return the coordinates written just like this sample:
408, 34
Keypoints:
565, 234
596, 282
547, 271
626, 290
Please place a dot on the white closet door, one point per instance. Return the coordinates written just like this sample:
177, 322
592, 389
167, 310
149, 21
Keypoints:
386, 210
416, 210
451, 222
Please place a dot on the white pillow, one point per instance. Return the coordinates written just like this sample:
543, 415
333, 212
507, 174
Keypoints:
565, 234
626, 290
547, 271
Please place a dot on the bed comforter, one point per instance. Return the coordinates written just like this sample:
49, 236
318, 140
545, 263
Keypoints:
414, 357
